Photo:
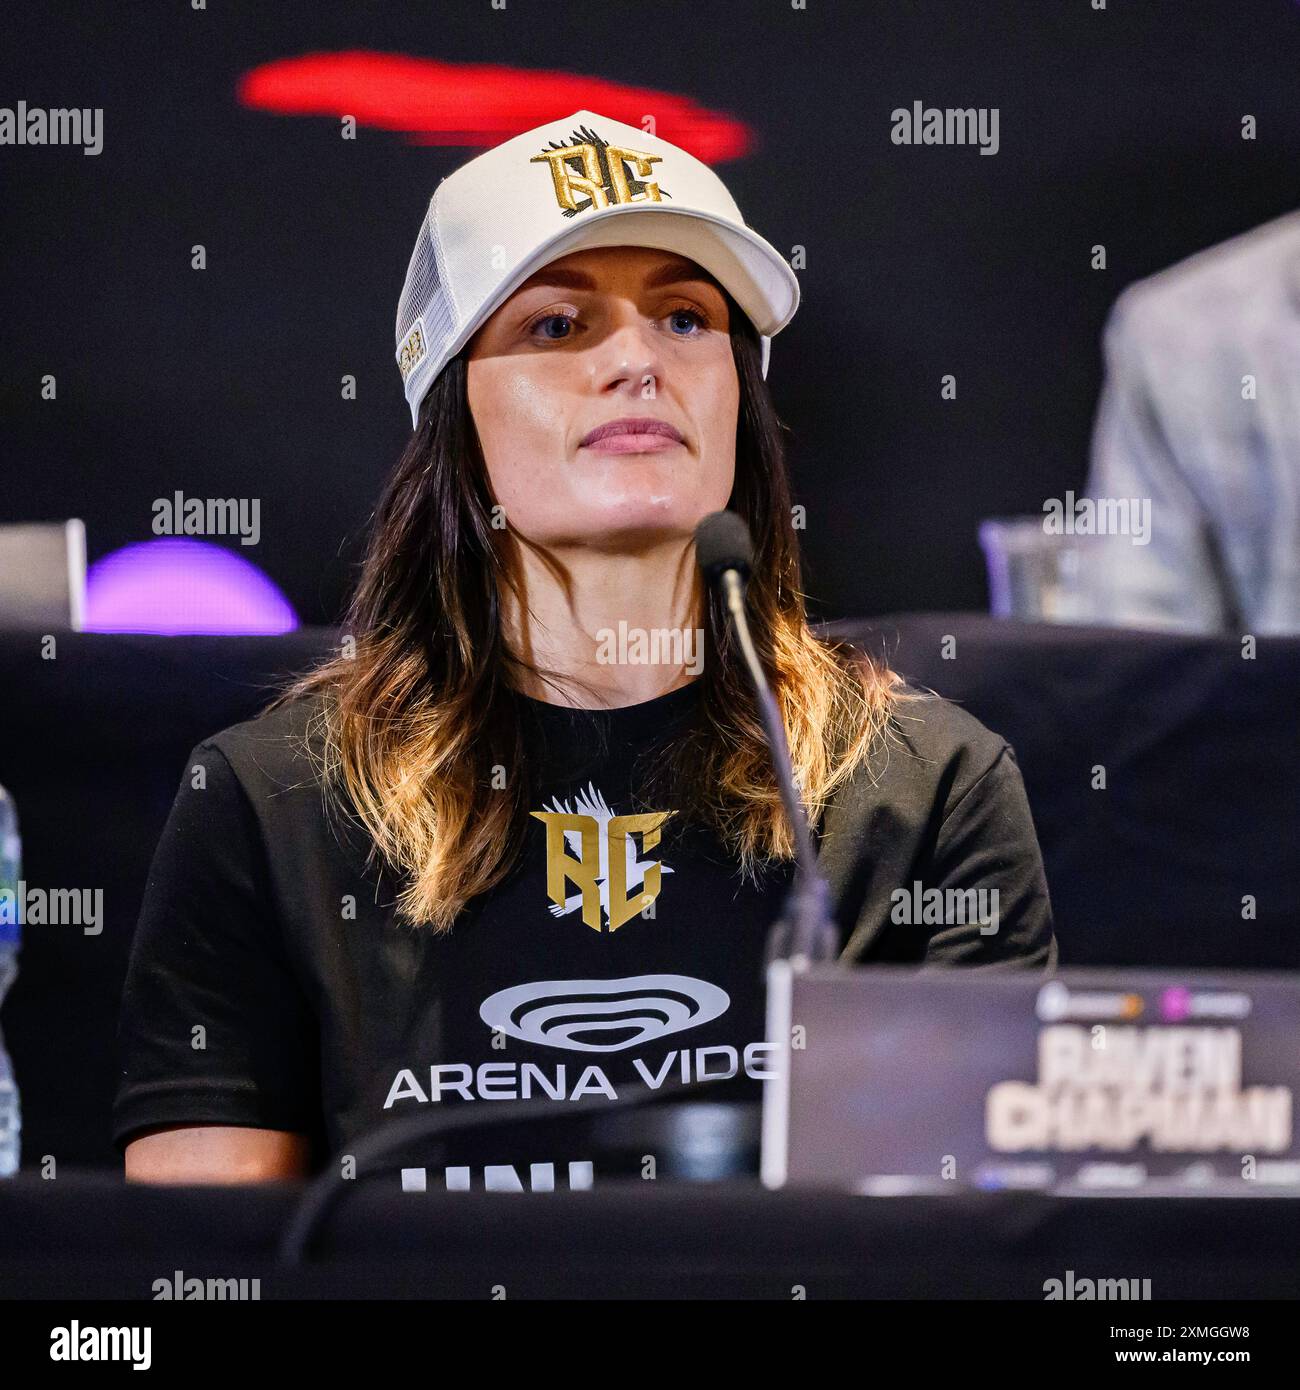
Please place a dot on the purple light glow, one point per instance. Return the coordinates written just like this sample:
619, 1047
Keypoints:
176, 586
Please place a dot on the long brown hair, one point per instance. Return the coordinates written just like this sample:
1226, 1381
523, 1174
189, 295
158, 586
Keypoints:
413, 723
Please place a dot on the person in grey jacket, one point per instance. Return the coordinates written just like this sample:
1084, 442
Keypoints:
1200, 417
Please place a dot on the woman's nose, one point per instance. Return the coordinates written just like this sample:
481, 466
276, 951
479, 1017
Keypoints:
628, 355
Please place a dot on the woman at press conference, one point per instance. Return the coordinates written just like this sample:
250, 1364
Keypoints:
521, 838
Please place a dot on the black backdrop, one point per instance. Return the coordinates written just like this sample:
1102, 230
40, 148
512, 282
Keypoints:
1119, 126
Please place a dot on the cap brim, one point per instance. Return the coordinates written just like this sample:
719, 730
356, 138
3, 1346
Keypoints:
751, 270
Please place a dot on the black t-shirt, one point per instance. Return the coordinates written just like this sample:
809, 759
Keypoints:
271, 984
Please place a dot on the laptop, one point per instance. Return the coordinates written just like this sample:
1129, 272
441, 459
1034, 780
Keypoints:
43, 575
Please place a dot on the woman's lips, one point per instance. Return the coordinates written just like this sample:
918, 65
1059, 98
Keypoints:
632, 434
633, 444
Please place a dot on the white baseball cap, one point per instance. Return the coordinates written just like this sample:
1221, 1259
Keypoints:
578, 182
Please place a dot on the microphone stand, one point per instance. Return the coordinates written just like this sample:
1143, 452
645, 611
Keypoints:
805, 932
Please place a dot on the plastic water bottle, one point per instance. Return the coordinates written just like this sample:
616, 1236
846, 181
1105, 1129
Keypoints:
10, 929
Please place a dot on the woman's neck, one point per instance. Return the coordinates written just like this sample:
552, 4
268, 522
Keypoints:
616, 629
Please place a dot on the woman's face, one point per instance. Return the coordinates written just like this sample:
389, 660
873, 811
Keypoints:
604, 335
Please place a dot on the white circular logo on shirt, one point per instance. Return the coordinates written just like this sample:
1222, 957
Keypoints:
603, 1015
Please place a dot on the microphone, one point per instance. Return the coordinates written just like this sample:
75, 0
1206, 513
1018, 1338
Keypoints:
805, 931
722, 543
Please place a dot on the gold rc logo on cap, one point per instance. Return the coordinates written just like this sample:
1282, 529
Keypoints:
603, 179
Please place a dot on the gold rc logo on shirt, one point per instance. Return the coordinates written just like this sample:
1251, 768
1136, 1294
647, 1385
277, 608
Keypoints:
587, 845
604, 178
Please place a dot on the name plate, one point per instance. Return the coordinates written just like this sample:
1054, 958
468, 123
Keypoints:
1088, 1081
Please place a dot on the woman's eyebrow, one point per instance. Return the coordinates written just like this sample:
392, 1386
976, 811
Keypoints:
561, 278
676, 272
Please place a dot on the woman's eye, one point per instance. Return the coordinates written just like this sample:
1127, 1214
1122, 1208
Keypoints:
540, 326
691, 316
556, 327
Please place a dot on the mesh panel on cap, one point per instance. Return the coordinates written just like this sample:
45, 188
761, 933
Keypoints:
424, 297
